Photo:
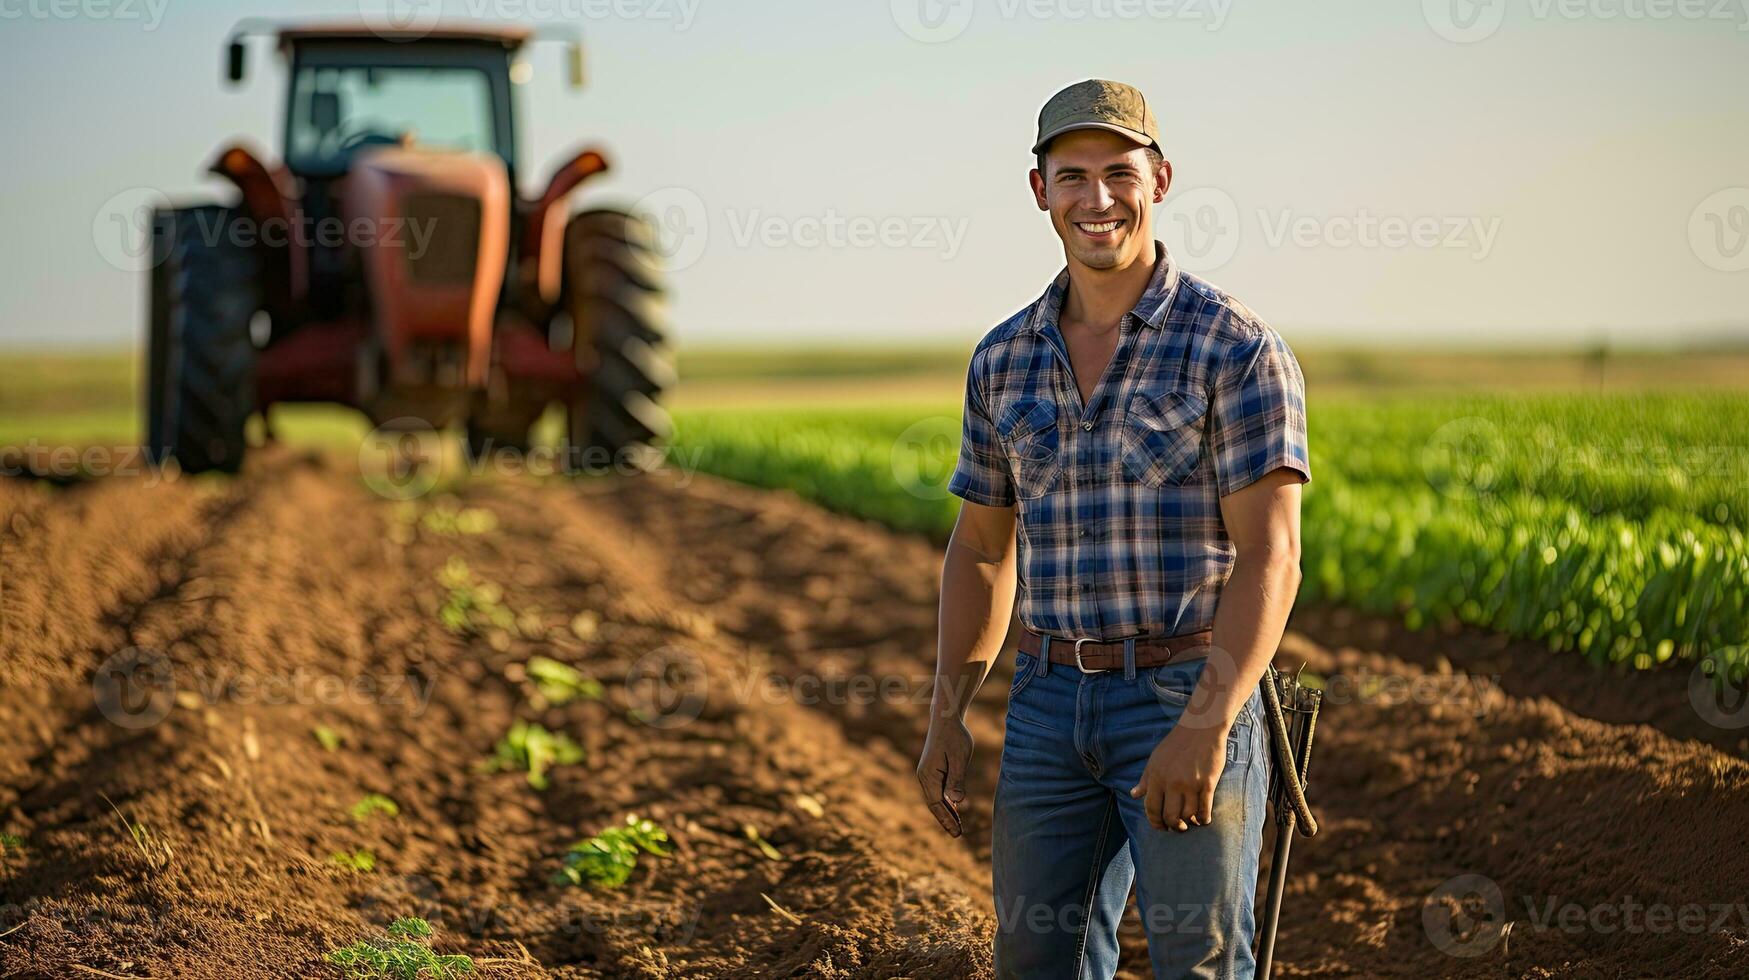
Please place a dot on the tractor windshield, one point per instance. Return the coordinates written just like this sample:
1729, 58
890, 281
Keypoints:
336, 111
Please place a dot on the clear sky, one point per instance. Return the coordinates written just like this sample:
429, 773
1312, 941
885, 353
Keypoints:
1411, 171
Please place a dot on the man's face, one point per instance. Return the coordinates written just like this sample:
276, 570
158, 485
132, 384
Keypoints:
1099, 189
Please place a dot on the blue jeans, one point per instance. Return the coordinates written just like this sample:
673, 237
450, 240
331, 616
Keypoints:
1069, 840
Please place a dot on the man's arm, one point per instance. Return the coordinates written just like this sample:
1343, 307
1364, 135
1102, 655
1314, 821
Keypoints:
1263, 521
977, 598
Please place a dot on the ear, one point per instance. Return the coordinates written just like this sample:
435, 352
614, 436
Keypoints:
1038, 189
1162, 181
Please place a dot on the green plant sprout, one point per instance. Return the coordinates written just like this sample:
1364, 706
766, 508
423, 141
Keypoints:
373, 804
561, 683
360, 860
448, 518
404, 953
533, 749
608, 859
470, 603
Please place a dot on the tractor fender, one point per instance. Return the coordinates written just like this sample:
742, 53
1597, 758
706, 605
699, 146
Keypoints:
267, 201
541, 262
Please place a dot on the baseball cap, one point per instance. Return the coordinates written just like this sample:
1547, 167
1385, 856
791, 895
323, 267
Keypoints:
1098, 104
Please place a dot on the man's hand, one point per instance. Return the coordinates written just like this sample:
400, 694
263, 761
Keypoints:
1178, 785
942, 771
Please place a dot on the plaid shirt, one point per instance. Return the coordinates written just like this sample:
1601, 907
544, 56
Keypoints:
1120, 526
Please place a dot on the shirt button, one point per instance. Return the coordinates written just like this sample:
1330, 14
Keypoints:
1081, 533
1086, 586
1087, 426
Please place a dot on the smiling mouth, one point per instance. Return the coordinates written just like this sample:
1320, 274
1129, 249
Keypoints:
1100, 229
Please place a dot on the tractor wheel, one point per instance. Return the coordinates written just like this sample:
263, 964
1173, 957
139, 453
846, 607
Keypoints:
614, 293
200, 383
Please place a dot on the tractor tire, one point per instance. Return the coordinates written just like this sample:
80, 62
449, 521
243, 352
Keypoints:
200, 383
615, 294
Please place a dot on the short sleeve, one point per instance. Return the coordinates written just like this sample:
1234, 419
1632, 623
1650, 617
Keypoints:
1259, 413
981, 475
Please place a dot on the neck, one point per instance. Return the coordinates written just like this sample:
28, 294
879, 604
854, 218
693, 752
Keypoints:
1100, 297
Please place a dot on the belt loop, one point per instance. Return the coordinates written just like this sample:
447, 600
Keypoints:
1044, 655
1129, 658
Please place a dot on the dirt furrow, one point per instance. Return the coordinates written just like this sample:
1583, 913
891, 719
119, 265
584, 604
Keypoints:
764, 665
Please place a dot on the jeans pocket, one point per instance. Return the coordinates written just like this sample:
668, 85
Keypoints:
1161, 441
1025, 665
1173, 684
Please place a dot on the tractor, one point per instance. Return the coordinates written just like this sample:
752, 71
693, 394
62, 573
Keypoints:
388, 263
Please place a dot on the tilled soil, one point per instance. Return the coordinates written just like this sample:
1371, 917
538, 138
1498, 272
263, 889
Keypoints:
1488, 809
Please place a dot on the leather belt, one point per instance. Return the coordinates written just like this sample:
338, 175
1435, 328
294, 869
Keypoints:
1094, 655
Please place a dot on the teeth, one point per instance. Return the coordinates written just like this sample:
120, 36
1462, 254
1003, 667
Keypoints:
1101, 227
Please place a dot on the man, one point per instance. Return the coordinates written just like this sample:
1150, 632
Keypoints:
1144, 433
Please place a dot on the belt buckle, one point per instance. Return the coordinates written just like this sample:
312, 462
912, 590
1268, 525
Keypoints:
1079, 665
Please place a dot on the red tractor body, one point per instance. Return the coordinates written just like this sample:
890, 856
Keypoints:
389, 264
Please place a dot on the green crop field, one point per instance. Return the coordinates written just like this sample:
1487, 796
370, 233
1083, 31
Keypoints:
1611, 525
1595, 505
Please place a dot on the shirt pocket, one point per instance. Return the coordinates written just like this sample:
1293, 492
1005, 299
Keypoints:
1161, 442
1028, 428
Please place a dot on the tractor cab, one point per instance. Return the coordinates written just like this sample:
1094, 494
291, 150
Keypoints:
387, 262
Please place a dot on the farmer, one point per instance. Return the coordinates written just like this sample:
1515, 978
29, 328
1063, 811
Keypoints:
1145, 434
